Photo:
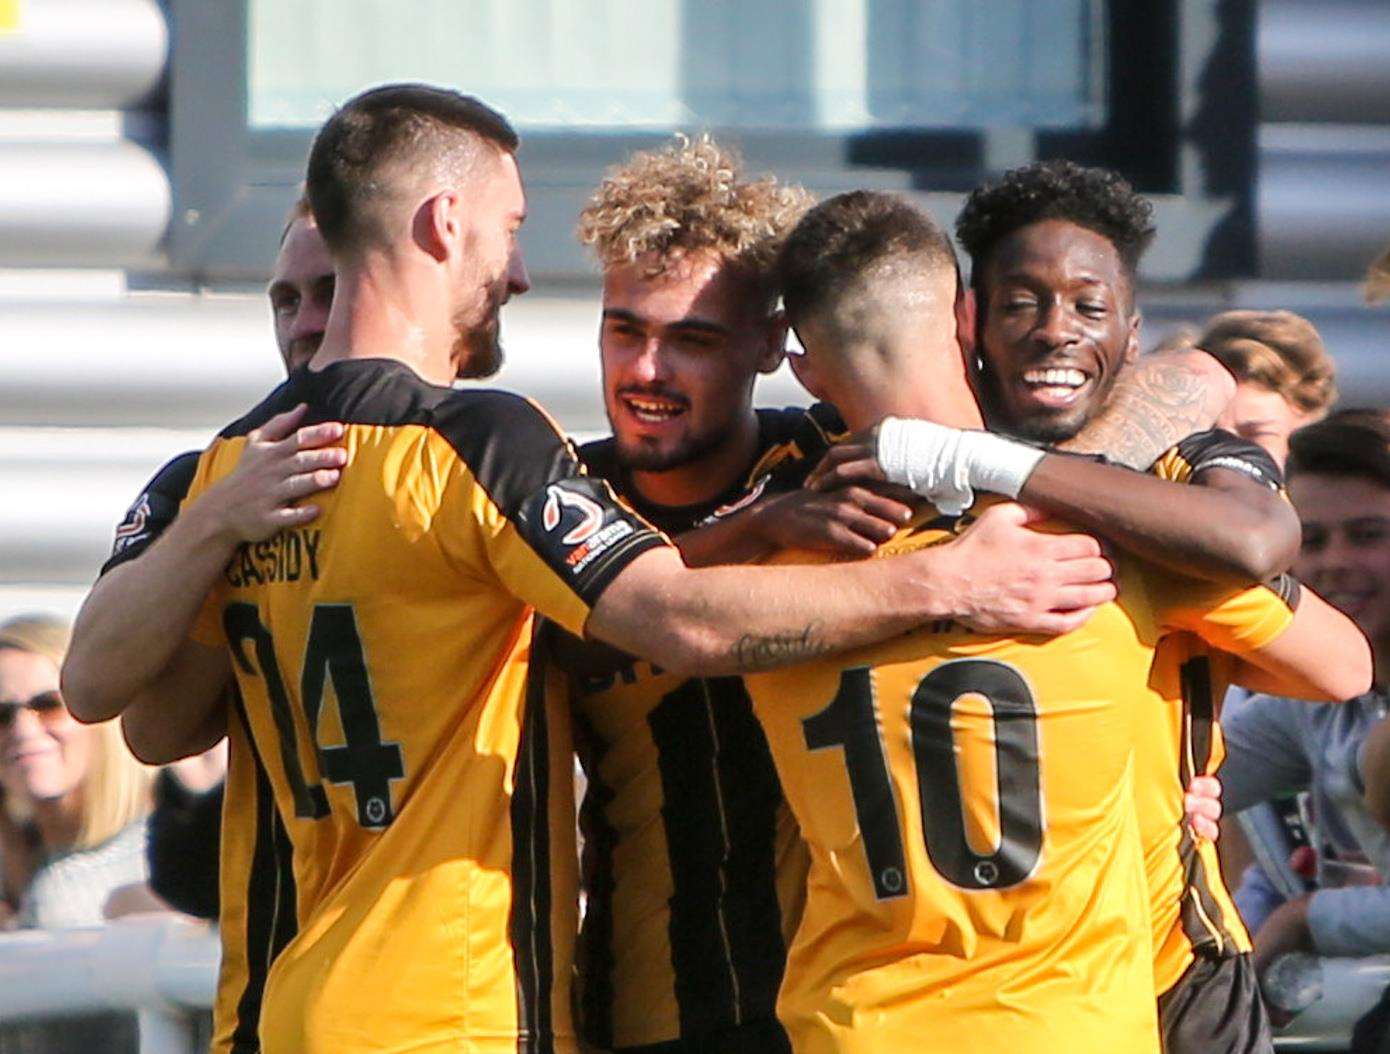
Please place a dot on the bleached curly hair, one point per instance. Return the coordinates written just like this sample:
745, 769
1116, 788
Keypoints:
690, 197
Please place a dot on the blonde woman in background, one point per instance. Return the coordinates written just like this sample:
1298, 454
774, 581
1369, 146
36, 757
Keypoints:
75, 787
1285, 378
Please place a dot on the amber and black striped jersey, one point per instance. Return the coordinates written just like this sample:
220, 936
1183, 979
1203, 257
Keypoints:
383, 654
1192, 911
256, 901
693, 869
968, 801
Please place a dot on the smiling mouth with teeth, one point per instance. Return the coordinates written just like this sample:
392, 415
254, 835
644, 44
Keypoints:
1055, 377
647, 408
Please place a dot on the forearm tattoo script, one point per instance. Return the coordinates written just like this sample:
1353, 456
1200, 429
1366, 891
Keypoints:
754, 651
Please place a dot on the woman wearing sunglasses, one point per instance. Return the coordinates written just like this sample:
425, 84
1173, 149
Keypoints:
75, 797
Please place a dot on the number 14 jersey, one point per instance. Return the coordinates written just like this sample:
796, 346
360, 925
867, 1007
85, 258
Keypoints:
976, 866
418, 755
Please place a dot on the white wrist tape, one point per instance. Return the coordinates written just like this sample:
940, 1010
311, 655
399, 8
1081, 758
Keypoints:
946, 465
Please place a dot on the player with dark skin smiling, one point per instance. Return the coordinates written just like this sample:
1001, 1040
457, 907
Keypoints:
1054, 249
1057, 356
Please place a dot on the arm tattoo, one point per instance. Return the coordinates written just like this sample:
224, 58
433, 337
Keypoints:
755, 651
1155, 404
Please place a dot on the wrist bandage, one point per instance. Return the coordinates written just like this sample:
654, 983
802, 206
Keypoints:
947, 465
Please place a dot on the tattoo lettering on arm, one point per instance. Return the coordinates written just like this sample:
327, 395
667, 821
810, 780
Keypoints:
754, 651
1158, 401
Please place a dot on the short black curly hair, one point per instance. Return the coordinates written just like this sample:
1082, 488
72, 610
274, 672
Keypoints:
1098, 199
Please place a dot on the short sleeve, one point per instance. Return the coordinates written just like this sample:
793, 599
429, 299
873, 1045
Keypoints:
1214, 449
152, 512
553, 536
1239, 620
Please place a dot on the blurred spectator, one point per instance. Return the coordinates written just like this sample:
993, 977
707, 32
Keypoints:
1285, 378
186, 831
1339, 480
85, 795
83, 799
1378, 279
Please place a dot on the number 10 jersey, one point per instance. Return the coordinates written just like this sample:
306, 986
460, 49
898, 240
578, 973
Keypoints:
968, 801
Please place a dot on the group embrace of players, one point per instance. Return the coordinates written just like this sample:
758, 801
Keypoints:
916, 802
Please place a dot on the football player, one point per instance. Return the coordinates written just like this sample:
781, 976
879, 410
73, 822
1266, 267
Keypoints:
968, 799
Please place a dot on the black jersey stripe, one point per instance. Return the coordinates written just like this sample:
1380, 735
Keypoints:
271, 908
596, 958
1203, 921
720, 795
748, 777
697, 844
529, 922
507, 442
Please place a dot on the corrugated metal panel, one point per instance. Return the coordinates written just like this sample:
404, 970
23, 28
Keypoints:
1323, 199
1324, 61
87, 204
76, 187
84, 54
1321, 204
97, 395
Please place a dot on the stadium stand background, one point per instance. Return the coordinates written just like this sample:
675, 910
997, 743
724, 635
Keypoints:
148, 152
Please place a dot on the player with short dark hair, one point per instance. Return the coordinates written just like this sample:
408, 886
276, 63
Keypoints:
1054, 249
383, 653
301, 287
133, 596
976, 867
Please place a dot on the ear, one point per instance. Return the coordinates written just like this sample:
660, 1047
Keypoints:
435, 226
1132, 340
804, 367
774, 348
966, 319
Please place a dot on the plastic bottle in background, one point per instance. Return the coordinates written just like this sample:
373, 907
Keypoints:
1293, 982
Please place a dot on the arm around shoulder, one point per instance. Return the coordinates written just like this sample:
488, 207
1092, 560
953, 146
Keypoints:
1322, 656
999, 576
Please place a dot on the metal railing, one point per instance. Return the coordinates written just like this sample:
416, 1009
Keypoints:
163, 968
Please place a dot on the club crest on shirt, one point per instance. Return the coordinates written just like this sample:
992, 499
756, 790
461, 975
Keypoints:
134, 527
579, 522
590, 512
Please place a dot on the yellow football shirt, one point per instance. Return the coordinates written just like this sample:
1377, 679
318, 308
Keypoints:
383, 654
976, 863
693, 869
256, 908
1192, 910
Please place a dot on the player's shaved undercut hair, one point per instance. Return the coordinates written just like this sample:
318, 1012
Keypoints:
387, 141
850, 238
1095, 198
692, 197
